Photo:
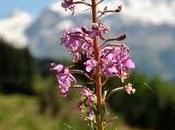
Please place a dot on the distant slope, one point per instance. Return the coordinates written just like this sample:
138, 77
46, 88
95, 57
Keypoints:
151, 43
147, 41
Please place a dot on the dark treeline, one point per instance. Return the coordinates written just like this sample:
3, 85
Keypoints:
153, 105
16, 69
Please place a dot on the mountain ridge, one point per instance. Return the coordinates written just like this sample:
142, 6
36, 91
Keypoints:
152, 46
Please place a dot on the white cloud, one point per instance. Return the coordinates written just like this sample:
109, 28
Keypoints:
12, 28
65, 25
145, 11
56, 7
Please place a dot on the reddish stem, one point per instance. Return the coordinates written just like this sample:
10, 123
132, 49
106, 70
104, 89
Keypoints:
98, 82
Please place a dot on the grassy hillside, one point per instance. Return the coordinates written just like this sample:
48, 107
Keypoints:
21, 113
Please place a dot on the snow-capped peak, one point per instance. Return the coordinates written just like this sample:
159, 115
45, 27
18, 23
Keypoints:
143, 11
12, 28
56, 7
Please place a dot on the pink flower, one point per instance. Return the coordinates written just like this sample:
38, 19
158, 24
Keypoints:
98, 29
64, 77
89, 96
78, 42
68, 4
90, 64
87, 103
115, 60
129, 89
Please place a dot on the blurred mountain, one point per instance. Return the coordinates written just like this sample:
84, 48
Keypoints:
45, 32
151, 44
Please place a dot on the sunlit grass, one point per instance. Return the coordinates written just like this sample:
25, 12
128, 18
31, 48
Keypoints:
21, 113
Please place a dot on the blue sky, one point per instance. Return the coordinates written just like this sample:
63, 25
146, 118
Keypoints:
32, 6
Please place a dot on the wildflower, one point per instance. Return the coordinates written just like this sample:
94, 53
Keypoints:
68, 4
90, 64
129, 89
99, 29
87, 103
115, 60
64, 77
78, 42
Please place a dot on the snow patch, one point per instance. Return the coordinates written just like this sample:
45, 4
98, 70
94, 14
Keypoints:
144, 11
65, 25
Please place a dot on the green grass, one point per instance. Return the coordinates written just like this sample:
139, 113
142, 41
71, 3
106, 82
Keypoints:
21, 113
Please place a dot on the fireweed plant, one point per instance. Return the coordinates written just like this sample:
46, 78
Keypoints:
101, 57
